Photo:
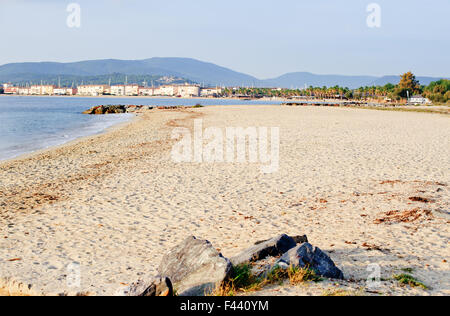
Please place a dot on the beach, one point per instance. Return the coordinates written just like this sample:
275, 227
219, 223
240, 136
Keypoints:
114, 204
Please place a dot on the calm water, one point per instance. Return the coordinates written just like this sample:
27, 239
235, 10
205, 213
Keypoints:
28, 124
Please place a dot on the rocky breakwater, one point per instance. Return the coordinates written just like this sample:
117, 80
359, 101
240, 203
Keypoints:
196, 268
117, 109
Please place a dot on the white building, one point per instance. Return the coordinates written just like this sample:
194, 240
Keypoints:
128, 90
59, 91
42, 90
118, 90
147, 91
185, 91
64, 91
169, 91
418, 99
24, 91
188, 91
132, 90
93, 90
210, 92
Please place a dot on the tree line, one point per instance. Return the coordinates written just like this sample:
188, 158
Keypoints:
438, 91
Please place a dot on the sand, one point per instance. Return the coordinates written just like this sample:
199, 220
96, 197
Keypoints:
115, 203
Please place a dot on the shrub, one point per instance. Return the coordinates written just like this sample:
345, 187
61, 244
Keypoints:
406, 279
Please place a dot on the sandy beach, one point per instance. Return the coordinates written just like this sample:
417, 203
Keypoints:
350, 179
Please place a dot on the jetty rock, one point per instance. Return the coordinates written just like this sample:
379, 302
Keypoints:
195, 267
268, 248
308, 256
116, 109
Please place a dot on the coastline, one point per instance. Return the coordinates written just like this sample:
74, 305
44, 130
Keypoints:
432, 108
115, 202
137, 116
70, 142
139, 97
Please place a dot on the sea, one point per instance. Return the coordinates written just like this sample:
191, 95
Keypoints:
28, 124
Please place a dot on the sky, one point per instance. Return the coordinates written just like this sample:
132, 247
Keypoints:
259, 37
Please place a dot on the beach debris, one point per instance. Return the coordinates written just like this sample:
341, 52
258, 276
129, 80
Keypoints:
407, 216
268, 248
195, 267
155, 286
15, 259
308, 256
420, 199
371, 247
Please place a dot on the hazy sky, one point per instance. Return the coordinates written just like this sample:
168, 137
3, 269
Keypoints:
259, 37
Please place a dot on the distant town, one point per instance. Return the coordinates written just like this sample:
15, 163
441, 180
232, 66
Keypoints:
180, 90
407, 91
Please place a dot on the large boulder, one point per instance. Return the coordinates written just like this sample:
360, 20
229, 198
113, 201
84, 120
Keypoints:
195, 267
106, 109
157, 286
114, 109
263, 249
307, 256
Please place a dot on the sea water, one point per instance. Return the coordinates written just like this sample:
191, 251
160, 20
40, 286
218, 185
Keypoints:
29, 123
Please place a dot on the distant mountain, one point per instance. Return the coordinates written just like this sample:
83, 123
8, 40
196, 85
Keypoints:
302, 79
201, 72
190, 70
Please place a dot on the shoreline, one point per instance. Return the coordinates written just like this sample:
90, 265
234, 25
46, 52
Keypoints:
136, 116
139, 97
106, 130
386, 107
115, 202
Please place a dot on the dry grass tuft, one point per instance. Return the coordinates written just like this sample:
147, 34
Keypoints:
243, 281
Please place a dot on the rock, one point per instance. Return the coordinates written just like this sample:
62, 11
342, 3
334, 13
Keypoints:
133, 108
195, 267
137, 108
300, 239
272, 247
116, 109
306, 255
88, 111
99, 110
157, 286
